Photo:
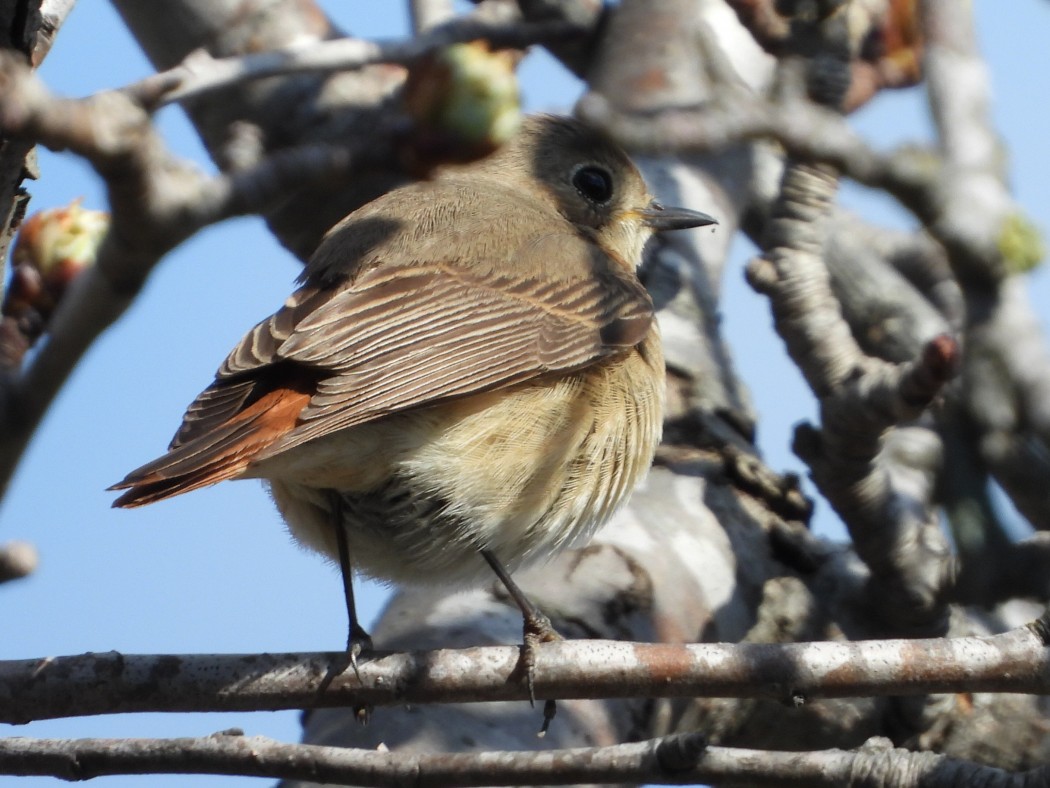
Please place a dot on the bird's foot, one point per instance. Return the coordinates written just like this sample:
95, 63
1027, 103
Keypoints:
358, 642
538, 629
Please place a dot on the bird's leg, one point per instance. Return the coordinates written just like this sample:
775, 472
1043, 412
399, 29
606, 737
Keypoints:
357, 639
537, 629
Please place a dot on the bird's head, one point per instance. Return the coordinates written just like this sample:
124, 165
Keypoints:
591, 182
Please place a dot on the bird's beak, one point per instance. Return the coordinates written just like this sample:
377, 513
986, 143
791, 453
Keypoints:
660, 218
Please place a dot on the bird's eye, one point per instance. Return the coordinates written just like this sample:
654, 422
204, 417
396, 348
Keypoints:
594, 183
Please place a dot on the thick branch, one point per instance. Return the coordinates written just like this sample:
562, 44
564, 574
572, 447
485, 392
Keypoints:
886, 504
892, 312
989, 241
973, 204
887, 509
29, 27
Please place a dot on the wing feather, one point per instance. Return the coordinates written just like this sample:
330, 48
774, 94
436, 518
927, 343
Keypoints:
388, 321
213, 407
408, 337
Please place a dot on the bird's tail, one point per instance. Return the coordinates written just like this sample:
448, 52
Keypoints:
223, 452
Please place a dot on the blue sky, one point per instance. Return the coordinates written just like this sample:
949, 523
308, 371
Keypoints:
215, 571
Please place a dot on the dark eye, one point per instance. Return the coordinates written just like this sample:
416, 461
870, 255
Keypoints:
594, 183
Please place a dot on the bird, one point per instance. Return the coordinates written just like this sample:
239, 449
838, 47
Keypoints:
468, 378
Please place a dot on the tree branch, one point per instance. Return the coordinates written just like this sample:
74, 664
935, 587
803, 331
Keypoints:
1015, 661
157, 202
201, 74
806, 131
672, 760
230, 753
576, 54
990, 242
426, 14
889, 515
30, 28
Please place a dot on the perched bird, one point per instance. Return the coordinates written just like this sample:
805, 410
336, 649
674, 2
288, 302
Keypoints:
470, 374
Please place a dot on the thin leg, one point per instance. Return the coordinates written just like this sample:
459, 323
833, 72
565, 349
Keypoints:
357, 640
537, 629
535, 621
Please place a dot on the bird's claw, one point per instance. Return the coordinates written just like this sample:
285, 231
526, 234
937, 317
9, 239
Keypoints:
357, 643
537, 629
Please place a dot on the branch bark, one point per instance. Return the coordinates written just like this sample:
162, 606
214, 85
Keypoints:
200, 74
674, 760
714, 546
792, 673
156, 201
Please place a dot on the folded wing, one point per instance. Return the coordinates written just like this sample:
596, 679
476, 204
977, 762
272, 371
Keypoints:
394, 338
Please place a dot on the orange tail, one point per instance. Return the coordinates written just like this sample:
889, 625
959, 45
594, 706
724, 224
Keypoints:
223, 452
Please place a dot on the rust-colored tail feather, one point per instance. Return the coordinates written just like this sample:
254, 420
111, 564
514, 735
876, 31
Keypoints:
222, 453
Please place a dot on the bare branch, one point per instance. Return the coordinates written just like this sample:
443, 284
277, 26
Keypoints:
890, 517
1015, 661
30, 28
156, 201
429, 13
53, 15
576, 54
145, 184
806, 131
973, 203
1007, 366
672, 760
663, 760
895, 288
200, 74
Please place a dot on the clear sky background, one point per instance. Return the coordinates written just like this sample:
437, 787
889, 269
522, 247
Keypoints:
215, 571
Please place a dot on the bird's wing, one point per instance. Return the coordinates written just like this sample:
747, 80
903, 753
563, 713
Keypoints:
404, 337
401, 337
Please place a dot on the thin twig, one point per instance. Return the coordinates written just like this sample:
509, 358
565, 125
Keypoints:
673, 760
200, 74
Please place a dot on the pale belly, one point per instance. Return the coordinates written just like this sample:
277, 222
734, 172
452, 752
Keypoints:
521, 472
